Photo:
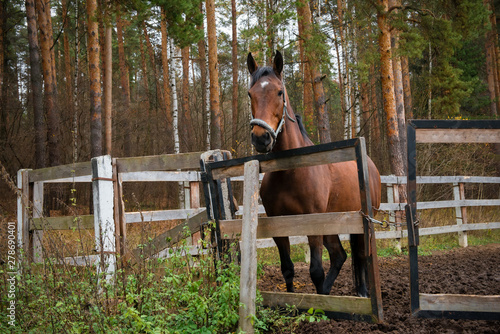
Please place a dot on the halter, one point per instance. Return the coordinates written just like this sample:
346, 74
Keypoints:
263, 124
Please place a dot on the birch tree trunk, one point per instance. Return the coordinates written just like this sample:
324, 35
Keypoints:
213, 70
175, 103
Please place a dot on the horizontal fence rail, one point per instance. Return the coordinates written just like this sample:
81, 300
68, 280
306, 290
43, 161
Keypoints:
133, 172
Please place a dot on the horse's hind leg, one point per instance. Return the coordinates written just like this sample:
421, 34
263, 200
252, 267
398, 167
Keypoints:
359, 264
337, 259
316, 267
287, 268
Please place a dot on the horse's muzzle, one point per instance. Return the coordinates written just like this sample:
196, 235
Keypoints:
263, 143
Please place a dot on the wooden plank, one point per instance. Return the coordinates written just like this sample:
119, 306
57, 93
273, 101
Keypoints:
104, 223
248, 274
193, 224
76, 179
85, 222
460, 212
23, 205
342, 304
441, 179
452, 302
458, 228
61, 172
306, 160
311, 224
458, 136
37, 213
161, 176
160, 215
165, 162
442, 204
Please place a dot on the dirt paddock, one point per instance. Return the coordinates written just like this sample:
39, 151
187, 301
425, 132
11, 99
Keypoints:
472, 270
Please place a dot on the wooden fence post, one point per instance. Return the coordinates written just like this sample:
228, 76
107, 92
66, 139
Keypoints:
37, 213
461, 212
248, 276
23, 239
104, 225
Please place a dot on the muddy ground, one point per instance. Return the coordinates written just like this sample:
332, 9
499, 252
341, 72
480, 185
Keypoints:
472, 270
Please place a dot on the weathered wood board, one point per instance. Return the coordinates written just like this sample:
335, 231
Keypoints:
311, 224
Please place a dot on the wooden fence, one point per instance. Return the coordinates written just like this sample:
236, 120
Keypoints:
445, 305
136, 170
109, 174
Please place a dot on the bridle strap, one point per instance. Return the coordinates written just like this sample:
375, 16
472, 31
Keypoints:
263, 124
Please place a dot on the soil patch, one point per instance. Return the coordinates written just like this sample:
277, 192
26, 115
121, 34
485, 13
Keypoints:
472, 270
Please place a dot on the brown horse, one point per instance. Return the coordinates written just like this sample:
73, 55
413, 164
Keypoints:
317, 189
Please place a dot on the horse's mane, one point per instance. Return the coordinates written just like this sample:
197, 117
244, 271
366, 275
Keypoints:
265, 71
302, 128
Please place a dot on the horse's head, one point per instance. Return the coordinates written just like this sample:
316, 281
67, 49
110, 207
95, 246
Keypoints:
268, 103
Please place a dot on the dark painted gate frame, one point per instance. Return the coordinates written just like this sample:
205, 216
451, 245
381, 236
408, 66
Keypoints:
214, 205
411, 213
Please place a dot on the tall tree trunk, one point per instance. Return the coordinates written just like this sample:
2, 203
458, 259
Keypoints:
204, 86
213, 70
108, 84
95, 81
145, 99
269, 32
36, 86
50, 86
159, 103
175, 104
234, 54
343, 72
304, 12
124, 80
67, 61
407, 88
187, 122
398, 85
3, 109
307, 84
167, 92
396, 156
490, 64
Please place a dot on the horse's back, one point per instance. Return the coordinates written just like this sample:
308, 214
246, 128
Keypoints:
317, 189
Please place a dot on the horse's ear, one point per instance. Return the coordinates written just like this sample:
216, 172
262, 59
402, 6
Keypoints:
278, 64
251, 63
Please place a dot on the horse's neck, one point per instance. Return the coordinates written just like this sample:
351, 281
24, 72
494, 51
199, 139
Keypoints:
290, 137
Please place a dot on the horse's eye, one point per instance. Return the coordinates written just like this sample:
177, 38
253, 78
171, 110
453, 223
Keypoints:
250, 96
280, 93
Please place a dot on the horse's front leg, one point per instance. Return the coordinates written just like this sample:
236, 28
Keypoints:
287, 268
359, 264
316, 268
